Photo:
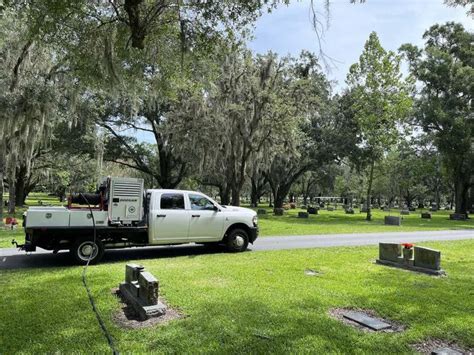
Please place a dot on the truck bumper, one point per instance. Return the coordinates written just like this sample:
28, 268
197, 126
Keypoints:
253, 234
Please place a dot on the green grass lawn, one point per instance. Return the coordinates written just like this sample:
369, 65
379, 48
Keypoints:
324, 223
337, 221
254, 302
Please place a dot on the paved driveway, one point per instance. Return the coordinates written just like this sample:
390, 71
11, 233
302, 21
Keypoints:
14, 259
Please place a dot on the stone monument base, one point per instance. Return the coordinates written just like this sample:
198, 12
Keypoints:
143, 310
411, 267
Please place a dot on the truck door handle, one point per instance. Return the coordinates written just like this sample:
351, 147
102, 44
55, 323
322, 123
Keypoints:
196, 215
160, 215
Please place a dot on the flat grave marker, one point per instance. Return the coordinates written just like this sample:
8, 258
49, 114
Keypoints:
445, 351
366, 321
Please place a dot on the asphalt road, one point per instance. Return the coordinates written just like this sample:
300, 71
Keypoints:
14, 259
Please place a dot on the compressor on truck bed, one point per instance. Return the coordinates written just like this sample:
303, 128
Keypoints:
125, 215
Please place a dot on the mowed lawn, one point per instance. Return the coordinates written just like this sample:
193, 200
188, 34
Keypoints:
325, 222
253, 302
335, 222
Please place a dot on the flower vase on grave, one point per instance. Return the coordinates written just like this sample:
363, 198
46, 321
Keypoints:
408, 253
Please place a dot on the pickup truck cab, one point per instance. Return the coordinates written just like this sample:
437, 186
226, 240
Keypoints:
124, 215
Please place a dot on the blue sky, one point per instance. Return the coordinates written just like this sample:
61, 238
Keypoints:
288, 30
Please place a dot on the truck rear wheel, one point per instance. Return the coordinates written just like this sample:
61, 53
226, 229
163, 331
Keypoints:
237, 240
86, 248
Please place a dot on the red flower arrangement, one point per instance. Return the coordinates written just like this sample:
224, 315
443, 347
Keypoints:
408, 245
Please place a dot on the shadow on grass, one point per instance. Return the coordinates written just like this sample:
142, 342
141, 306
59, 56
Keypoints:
111, 256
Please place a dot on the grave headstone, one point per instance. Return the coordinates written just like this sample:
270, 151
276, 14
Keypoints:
427, 258
303, 215
386, 209
390, 251
278, 211
312, 210
412, 209
433, 209
457, 217
349, 210
330, 208
261, 211
426, 215
405, 212
393, 220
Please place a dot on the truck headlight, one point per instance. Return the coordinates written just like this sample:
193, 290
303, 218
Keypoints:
255, 220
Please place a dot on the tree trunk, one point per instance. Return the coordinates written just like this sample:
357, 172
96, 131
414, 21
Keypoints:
11, 196
20, 186
254, 198
461, 198
369, 191
235, 196
2, 175
2, 169
224, 194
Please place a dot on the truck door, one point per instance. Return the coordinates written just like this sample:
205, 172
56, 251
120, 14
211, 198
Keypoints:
170, 219
206, 223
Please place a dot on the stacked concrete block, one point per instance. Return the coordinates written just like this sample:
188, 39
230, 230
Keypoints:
140, 290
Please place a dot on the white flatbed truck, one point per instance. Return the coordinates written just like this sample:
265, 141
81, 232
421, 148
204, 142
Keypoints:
122, 214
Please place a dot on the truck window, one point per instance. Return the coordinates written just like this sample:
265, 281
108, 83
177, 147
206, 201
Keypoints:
172, 202
199, 202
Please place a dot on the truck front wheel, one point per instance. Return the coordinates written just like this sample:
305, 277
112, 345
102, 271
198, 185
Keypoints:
237, 240
86, 248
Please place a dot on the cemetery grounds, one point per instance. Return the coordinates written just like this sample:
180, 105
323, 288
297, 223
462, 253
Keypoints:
256, 301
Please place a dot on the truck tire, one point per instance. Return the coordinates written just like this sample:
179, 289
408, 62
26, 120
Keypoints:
237, 240
82, 248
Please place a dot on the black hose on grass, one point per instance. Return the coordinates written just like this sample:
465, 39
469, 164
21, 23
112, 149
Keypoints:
107, 335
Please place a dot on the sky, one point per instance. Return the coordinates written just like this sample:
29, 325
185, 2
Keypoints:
288, 29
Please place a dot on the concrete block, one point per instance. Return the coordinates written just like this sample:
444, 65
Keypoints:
303, 215
390, 251
134, 288
427, 258
132, 271
148, 288
426, 215
393, 220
